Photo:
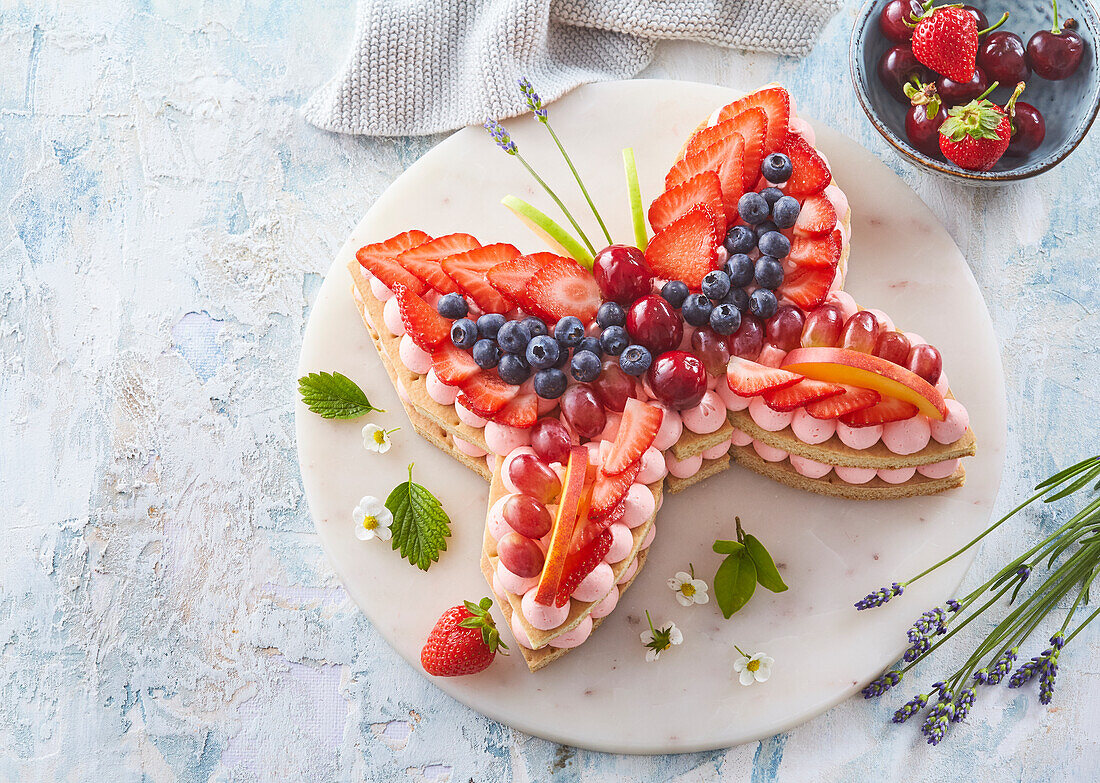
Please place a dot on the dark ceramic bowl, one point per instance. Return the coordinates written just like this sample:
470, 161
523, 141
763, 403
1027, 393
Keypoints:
1068, 106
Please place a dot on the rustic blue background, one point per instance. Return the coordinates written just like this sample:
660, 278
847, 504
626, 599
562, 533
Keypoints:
166, 612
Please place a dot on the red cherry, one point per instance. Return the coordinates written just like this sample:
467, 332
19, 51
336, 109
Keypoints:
678, 379
1003, 58
953, 93
924, 133
895, 14
1028, 130
896, 67
622, 274
1056, 53
652, 322
979, 18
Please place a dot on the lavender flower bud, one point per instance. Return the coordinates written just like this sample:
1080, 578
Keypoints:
910, 708
1058, 641
981, 677
1047, 677
879, 597
936, 724
953, 605
1023, 675
1023, 572
962, 705
534, 102
917, 649
1002, 667
882, 684
501, 136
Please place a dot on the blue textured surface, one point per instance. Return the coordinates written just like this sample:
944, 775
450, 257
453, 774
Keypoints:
165, 610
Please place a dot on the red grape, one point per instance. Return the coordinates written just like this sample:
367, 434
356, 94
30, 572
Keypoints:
622, 274
550, 440
784, 329
713, 349
520, 555
582, 410
823, 327
527, 516
614, 386
925, 361
860, 332
678, 379
533, 477
748, 340
893, 347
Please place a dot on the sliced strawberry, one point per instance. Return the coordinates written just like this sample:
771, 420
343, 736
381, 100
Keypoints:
610, 490
704, 188
423, 260
521, 411
807, 286
752, 126
816, 252
806, 391
563, 287
709, 158
637, 430
511, 278
887, 410
732, 174
453, 365
468, 269
811, 175
776, 104
391, 273
853, 399
395, 245
580, 563
749, 378
425, 326
687, 249
704, 137
817, 216
485, 393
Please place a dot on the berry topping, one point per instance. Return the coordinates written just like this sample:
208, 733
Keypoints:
811, 175
774, 244
776, 105
635, 360
747, 378
725, 318
591, 344
817, 252
614, 387
521, 411
806, 391
637, 432
741, 269
888, 409
704, 188
738, 298
569, 331
563, 287
583, 559
678, 379
452, 365
550, 383
424, 325
716, 285
386, 269
748, 340
486, 353
621, 274
535, 326
610, 314
485, 393
394, 246
513, 337
585, 366
489, 325
753, 209
652, 322
817, 216
712, 349
853, 399
785, 211
763, 303
768, 274
752, 126
696, 309
463, 641
609, 490
675, 292
469, 270
725, 157
687, 249
512, 277
807, 286
740, 239
424, 260
542, 352
514, 369
776, 168
452, 306
613, 340
464, 333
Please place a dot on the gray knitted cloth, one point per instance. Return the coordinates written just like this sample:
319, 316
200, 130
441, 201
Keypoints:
425, 66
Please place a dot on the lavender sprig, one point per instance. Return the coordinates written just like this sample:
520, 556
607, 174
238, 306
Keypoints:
879, 597
882, 684
534, 103
910, 708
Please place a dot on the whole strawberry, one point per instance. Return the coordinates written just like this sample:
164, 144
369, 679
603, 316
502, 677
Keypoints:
946, 40
464, 641
975, 135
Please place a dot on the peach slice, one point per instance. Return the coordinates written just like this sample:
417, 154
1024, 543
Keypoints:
575, 486
841, 365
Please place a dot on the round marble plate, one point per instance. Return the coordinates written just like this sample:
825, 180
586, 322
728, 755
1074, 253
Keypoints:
604, 695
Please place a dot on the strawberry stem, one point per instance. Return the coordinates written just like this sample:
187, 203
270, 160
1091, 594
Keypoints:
1004, 19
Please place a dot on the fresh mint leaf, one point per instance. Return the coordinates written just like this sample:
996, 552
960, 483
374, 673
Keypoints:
420, 525
766, 572
734, 582
334, 396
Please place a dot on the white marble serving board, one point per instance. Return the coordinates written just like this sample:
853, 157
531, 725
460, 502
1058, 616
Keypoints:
831, 552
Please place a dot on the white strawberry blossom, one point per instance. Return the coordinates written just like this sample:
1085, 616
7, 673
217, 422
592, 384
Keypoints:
751, 669
688, 589
372, 519
377, 439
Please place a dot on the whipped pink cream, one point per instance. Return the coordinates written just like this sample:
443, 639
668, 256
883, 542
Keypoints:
907, 437
683, 468
897, 476
541, 616
653, 467
468, 417
718, 450
844, 302
769, 453
520, 633
515, 584
652, 534
415, 358
939, 470
622, 542
639, 505
809, 468
575, 637
469, 449
810, 430
595, 586
440, 392
855, 475
391, 317
739, 438
766, 418
380, 290
770, 356
628, 574
606, 605
495, 521
954, 424
671, 428
858, 438
706, 417
503, 439
732, 400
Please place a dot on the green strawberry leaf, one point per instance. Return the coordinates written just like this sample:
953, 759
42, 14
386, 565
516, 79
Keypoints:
734, 582
420, 525
766, 572
334, 396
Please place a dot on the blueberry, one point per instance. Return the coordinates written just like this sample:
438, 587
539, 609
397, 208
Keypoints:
513, 337
696, 309
569, 331
543, 351
675, 292
771, 195
591, 344
489, 324
585, 366
775, 244
613, 340
464, 333
763, 303
725, 318
452, 306
514, 369
739, 239
635, 360
739, 267
752, 208
769, 272
716, 284
777, 168
785, 211
610, 314
738, 298
550, 383
535, 326
764, 228
486, 353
